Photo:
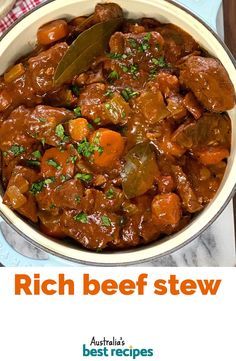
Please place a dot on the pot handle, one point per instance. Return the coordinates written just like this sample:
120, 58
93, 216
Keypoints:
11, 258
205, 9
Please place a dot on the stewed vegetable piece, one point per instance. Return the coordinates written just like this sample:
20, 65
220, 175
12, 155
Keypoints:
114, 132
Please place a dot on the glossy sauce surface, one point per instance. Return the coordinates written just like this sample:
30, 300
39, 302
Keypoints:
126, 152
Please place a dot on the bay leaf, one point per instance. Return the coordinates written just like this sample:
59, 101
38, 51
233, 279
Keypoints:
89, 44
139, 170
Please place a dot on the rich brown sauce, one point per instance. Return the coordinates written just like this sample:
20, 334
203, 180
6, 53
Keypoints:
68, 157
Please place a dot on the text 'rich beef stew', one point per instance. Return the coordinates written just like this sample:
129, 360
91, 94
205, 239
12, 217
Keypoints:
113, 132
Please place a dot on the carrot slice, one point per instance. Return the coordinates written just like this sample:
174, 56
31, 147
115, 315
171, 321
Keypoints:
110, 147
212, 155
52, 32
56, 162
79, 129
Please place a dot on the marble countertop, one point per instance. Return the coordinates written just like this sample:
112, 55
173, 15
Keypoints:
215, 247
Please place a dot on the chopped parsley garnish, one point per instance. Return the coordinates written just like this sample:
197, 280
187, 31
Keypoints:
128, 93
43, 141
34, 163
4, 154
49, 180
106, 221
113, 75
17, 150
147, 37
134, 69
87, 149
124, 68
37, 154
78, 112
160, 62
110, 193
75, 89
90, 126
78, 199
115, 56
81, 217
97, 121
60, 131
64, 178
72, 159
42, 120
38, 186
108, 106
123, 115
52, 206
133, 43
109, 93
145, 43
54, 164
85, 177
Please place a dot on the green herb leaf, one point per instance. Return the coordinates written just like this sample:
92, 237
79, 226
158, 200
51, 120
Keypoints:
115, 56
76, 90
85, 177
106, 221
37, 154
160, 62
128, 93
34, 163
65, 178
42, 120
124, 68
110, 193
139, 171
113, 75
89, 44
87, 149
38, 186
133, 43
17, 150
78, 199
60, 131
97, 121
109, 93
81, 217
54, 164
147, 37
77, 112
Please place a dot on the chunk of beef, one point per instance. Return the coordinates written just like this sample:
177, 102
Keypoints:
209, 81
177, 44
95, 104
13, 133
42, 67
42, 122
105, 12
185, 190
209, 130
95, 231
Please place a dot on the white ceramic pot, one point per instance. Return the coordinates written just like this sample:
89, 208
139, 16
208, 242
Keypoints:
19, 40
